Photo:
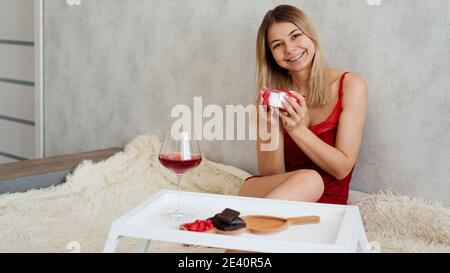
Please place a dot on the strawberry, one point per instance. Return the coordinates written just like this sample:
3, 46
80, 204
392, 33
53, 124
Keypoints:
194, 227
201, 226
198, 225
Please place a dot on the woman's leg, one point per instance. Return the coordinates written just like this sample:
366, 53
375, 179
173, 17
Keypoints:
301, 185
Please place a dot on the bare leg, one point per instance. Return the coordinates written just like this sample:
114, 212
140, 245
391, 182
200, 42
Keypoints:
301, 185
304, 186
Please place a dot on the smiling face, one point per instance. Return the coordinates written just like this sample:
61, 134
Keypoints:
290, 47
288, 54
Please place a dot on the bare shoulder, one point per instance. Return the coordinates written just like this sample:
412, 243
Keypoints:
354, 89
353, 81
333, 75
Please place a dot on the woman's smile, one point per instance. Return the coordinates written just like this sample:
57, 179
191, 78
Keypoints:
296, 58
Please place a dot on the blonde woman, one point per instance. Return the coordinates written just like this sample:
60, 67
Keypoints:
320, 136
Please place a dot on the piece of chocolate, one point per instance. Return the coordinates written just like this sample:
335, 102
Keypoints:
237, 223
227, 215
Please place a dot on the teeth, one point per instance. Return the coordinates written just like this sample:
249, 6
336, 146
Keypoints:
296, 58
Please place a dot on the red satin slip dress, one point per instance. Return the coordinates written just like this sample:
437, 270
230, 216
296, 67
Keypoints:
336, 191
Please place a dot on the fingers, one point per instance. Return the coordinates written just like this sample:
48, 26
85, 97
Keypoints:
294, 110
295, 113
299, 96
297, 108
261, 94
302, 109
286, 121
289, 109
296, 94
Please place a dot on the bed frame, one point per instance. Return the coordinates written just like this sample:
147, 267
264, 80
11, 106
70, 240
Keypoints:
42, 173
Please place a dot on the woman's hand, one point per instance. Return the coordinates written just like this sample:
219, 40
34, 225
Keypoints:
296, 112
270, 143
266, 113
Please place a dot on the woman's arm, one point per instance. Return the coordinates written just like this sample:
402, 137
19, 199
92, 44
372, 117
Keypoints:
339, 160
270, 152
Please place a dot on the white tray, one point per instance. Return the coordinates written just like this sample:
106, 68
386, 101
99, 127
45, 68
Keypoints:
340, 228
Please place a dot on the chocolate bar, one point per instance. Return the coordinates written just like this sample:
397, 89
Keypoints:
227, 215
237, 223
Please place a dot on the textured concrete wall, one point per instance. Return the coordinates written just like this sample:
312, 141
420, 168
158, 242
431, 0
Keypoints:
114, 69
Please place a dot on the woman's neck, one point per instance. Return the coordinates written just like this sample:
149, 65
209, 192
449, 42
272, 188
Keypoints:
300, 81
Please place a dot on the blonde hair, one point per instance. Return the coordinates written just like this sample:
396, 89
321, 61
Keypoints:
270, 74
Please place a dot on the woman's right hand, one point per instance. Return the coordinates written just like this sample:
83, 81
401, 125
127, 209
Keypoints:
265, 112
270, 142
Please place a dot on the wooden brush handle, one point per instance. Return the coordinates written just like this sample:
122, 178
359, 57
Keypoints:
304, 219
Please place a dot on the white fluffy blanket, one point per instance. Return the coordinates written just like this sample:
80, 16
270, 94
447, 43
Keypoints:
76, 216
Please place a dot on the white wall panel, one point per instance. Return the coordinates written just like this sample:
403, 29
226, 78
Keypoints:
17, 139
16, 20
17, 101
17, 62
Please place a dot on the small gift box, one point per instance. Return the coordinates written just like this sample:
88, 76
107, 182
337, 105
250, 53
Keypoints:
275, 98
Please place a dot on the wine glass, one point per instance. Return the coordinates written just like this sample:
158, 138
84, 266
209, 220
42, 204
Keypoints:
179, 153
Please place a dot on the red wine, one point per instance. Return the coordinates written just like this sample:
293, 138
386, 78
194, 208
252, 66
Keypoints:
176, 163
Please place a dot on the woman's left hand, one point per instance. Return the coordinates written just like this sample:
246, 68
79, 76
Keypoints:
296, 112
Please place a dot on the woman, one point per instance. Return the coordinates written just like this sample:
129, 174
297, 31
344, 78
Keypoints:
321, 135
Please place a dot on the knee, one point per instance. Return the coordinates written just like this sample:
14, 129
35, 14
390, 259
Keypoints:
314, 180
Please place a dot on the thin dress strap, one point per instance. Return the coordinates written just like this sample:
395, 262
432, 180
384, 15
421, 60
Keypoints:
341, 84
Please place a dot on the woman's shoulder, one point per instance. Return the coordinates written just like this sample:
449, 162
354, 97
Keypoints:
354, 88
354, 83
351, 79
354, 80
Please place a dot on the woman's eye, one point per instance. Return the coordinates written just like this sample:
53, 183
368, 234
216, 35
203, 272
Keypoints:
275, 46
295, 36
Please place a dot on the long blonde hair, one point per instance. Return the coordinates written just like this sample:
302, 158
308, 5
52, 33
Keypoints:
270, 74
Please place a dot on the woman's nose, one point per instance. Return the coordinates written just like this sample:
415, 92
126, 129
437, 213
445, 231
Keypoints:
289, 48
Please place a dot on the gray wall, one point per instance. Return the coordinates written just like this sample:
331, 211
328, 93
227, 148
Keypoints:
115, 68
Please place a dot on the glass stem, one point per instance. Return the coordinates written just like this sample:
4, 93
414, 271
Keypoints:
177, 210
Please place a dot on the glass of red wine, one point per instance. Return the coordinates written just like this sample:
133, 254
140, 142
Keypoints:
179, 153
